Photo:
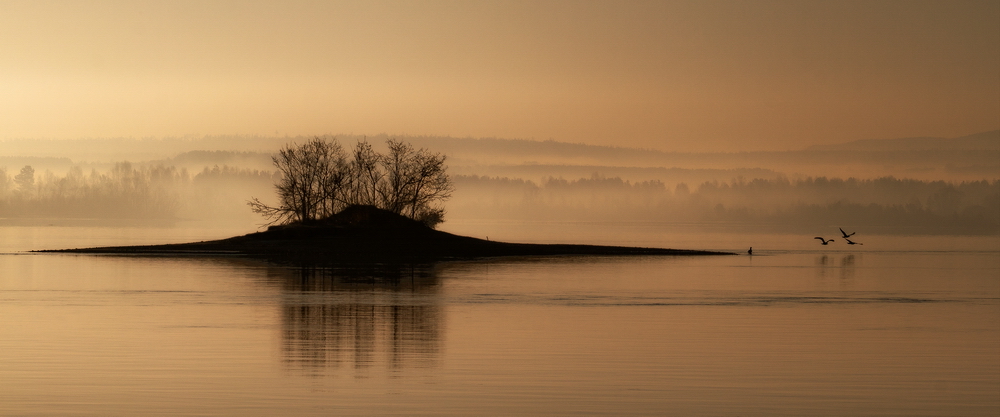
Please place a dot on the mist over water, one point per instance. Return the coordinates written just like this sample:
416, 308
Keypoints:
899, 187
845, 155
904, 324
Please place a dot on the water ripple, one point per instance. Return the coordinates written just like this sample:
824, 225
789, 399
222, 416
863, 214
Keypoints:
754, 301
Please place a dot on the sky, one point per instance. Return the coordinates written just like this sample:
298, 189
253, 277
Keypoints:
668, 75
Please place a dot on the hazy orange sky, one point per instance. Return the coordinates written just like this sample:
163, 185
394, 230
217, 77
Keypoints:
671, 75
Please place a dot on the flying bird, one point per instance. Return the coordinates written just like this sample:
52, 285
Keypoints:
845, 233
825, 242
851, 242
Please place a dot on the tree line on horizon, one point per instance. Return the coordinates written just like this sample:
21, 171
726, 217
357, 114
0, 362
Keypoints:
126, 191
888, 204
138, 191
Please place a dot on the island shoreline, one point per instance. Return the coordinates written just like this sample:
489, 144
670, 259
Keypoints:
369, 234
342, 245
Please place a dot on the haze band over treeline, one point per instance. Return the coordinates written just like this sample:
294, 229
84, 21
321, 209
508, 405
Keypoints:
895, 186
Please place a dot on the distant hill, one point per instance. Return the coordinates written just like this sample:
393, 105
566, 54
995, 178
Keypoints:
979, 141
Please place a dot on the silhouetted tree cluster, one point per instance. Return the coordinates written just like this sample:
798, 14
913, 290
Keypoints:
319, 178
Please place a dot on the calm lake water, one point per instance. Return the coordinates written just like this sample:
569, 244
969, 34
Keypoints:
904, 326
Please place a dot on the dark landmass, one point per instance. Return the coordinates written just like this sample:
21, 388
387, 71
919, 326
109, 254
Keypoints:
368, 234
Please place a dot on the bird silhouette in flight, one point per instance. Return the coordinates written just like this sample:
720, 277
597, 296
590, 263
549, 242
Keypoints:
845, 233
825, 242
851, 242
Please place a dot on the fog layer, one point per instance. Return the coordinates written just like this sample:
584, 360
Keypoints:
919, 185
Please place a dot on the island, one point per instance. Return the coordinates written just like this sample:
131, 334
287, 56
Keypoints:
369, 234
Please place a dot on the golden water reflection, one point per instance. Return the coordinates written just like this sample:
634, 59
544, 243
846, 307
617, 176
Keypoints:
844, 265
359, 317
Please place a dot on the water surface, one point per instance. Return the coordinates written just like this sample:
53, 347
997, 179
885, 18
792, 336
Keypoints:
897, 327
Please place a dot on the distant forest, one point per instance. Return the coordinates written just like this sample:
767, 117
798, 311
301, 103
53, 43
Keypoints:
129, 191
900, 186
885, 205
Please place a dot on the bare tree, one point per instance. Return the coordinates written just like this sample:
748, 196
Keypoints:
366, 175
334, 180
415, 180
313, 178
397, 166
432, 185
318, 180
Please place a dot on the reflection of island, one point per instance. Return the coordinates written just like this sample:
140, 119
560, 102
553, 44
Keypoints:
359, 316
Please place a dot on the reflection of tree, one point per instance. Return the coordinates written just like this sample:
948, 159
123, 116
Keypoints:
845, 267
359, 316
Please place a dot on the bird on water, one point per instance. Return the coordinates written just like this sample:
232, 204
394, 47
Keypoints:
825, 242
750, 252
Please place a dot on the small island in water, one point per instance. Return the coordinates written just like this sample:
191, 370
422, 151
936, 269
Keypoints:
369, 234
340, 207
